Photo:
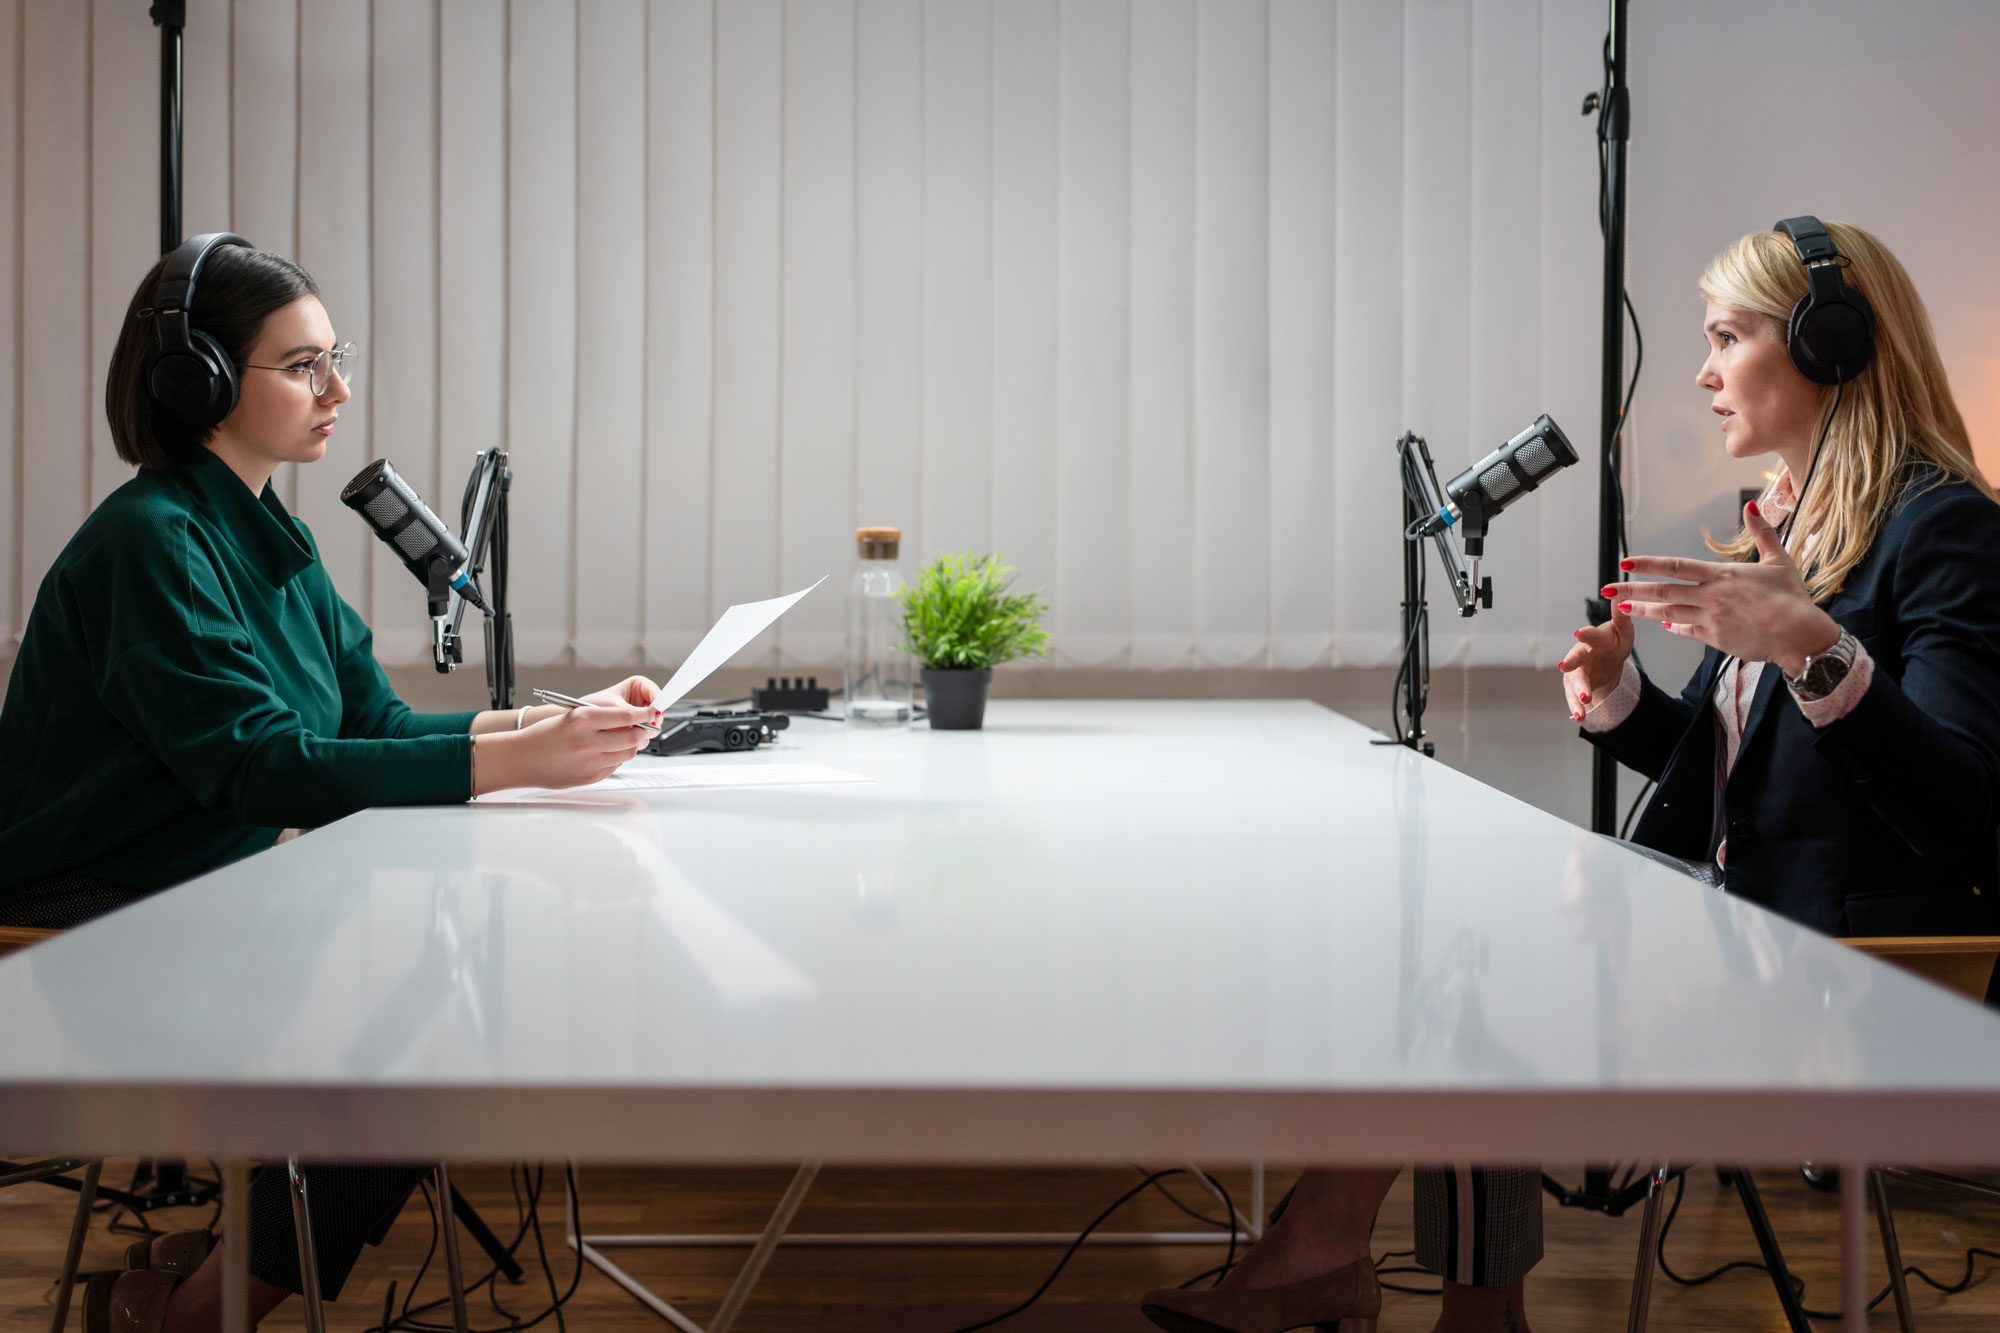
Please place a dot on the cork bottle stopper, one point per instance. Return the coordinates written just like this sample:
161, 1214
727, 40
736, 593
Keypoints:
878, 543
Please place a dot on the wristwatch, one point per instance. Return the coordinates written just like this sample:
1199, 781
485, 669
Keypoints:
1823, 671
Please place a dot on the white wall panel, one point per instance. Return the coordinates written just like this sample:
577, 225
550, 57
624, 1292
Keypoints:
57, 402
13, 605
815, 511
471, 255
1232, 340
264, 144
1437, 213
205, 101
1161, 393
1369, 266
541, 322
1091, 597
611, 330
336, 242
124, 198
958, 276
889, 266
1303, 386
749, 51
1504, 287
399, 365
1138, 293
678, 536
1027, 58
1568, 304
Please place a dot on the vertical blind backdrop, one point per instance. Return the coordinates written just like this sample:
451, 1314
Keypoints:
1136, 292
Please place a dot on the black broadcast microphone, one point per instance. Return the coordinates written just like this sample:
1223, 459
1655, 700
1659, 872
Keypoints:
401, 518
1475, 495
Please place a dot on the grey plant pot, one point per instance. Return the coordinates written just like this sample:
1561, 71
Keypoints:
956, 700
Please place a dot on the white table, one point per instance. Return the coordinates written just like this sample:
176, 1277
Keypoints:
1224, 931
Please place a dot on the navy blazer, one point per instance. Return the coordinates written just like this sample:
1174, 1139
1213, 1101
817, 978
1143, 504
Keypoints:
1883, 823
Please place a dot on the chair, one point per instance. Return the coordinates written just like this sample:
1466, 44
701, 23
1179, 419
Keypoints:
1962, 964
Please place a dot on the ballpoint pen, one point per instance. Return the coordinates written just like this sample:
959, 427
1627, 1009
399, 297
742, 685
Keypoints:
565, 701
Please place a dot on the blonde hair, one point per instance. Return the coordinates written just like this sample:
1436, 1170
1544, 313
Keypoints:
1897, 412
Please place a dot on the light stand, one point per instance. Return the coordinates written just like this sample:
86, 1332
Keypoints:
1613, 129
170, 16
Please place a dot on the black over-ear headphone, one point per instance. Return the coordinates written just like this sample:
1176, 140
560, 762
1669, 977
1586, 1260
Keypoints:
186, 372
1831, 334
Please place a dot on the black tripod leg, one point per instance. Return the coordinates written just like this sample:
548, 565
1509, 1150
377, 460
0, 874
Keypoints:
475, 1227
1767, 1243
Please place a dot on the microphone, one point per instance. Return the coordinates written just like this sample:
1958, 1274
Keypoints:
400, 518
1475, 495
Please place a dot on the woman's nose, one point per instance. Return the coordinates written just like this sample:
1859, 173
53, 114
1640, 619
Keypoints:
1706, 378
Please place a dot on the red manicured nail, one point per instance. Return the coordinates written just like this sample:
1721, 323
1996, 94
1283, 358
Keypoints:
1625, 565
1666, 624
1626, 607
1583, 695
1753, 510
1576, 717
1605, 591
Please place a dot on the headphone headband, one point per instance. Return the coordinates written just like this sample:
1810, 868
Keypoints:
1831, 333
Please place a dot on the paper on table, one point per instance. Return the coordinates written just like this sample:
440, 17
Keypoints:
739, 624
690, 775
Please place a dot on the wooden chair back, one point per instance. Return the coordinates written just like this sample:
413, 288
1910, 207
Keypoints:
13, 939
1961, 963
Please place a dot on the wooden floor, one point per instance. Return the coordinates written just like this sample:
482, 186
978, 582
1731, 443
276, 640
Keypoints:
1583, 1284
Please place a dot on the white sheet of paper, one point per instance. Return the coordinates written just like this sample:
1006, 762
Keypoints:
739, 624
633, 778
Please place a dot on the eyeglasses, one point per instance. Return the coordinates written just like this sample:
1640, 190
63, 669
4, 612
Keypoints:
318, 371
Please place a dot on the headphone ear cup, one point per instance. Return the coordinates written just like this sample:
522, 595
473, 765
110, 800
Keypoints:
1831, 339
195, 384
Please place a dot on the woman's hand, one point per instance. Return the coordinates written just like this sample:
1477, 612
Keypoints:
573, 748
1757, 613
639, 691
1595, 662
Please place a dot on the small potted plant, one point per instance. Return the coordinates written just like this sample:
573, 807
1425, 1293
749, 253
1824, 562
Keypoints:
963, 620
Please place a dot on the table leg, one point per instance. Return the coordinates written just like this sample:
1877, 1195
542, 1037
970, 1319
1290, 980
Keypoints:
1854, 1247
767, 1245
236, 1246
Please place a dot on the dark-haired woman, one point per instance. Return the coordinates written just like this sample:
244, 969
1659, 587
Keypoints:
190, 685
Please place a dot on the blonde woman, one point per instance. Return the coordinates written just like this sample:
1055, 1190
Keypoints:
1836, 756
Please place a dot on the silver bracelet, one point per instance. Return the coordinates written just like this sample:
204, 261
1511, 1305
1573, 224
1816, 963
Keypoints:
521, 719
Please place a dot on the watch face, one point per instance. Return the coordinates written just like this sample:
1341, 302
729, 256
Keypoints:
1823, 675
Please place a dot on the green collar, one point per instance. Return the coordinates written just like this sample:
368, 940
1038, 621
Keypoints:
258, 525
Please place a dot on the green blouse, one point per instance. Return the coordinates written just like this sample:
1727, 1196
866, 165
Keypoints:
190, 684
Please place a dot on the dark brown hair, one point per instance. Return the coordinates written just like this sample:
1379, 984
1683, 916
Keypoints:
239, 289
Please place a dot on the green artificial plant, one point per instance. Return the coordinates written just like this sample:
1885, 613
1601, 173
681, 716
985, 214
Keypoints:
961, 616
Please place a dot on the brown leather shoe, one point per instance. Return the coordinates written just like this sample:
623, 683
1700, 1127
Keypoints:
177, 1252
134, 1302
1348, 1300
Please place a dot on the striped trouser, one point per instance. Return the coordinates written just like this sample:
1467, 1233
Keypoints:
1479, 1226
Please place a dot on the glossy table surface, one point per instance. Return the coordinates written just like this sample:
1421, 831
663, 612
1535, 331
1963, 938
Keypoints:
1232, 930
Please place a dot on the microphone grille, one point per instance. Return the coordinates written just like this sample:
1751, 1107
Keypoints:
385, 509
416, 541
1498, 482
1536, 458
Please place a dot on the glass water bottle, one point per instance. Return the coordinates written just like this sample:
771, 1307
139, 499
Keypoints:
877, 679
